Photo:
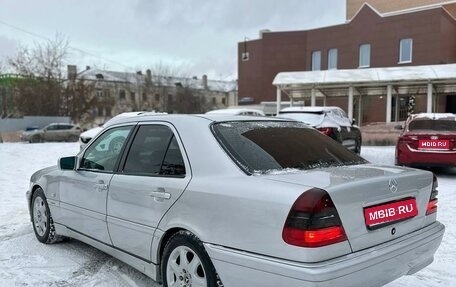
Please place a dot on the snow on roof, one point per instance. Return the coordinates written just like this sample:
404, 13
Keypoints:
367, 76
135, 78
435, 116
235, 111
307, 109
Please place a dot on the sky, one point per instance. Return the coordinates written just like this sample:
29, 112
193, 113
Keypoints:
198, 36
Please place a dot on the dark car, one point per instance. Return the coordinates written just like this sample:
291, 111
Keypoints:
428, 140
330, 121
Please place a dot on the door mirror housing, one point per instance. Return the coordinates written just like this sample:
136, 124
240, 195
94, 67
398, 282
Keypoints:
399, 127
67, 163
353, 121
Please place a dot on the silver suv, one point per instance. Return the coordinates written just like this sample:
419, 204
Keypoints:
53, 132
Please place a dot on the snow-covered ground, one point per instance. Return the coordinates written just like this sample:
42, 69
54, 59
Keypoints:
26, 262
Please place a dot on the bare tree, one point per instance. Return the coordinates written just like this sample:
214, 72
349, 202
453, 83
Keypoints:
40, 90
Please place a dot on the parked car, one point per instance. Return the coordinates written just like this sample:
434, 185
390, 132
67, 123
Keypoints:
427, 140
239, 112
87, 136
53, 132
249, 201
330, 121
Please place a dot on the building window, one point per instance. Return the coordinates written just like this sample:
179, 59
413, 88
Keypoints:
157, 97
405, 51
122, 94
364, 55
316, 61
332, 59
223, 101
245, 56
214, 101
132, 96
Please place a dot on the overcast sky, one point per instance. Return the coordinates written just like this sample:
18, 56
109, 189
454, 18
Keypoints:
199, 35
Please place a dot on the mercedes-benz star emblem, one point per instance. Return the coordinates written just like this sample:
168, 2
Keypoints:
393, 185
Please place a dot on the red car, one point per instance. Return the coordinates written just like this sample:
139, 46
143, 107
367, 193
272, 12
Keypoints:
428, 140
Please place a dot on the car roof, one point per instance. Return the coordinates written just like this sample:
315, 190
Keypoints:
192, 118
235, 111
433, 116
308, 109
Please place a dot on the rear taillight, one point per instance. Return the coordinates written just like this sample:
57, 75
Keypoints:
325, 131
313, 221
432, 204
410, 140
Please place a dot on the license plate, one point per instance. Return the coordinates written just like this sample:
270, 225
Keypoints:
384, 214
434, 144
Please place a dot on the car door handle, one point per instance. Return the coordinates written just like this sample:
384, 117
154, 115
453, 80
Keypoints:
160, 193
100, 186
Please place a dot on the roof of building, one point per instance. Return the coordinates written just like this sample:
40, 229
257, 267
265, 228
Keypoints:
94, 74
368, 76
307, 109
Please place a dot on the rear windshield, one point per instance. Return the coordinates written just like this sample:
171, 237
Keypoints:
432, 125
268, 147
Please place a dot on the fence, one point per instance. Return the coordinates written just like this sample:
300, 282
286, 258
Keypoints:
17, 124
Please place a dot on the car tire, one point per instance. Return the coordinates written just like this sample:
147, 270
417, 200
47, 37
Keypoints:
358, 147
195, 267
35, 139
43, 224
116, 144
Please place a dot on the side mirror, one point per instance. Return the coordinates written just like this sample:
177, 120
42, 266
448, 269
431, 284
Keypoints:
67, 163
353, 121
399, 127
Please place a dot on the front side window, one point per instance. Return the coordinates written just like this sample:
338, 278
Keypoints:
405, 51
263, 147
103, 153
154, 151
316, 61
364, 55
52, 127
332, 59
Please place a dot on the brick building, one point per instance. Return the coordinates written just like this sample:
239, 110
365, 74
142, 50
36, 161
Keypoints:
424, 35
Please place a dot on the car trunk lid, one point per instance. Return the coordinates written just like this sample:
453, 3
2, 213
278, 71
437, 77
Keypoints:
357, 189
428, 140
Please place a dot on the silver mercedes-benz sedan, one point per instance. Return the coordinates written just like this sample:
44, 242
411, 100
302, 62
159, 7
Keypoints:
217, 200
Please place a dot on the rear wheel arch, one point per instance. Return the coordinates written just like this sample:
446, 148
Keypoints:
182, 242
165, 238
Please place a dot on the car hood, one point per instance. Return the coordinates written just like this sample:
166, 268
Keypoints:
28, 133
91, 133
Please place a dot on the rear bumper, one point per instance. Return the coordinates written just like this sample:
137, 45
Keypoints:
375, 266
405, 155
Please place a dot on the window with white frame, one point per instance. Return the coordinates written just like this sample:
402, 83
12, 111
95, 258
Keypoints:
316, 61
364, 55
332, 59
405, 51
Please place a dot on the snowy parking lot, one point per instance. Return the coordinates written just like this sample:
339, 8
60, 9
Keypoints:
26, 262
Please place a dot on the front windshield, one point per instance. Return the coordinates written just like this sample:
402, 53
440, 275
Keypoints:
265, 147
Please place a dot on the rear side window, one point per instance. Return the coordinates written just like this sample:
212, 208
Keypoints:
265, 147
433, 125
155, 151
